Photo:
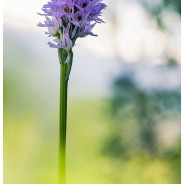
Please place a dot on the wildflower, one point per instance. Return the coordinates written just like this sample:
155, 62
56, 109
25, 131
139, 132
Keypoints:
68, 20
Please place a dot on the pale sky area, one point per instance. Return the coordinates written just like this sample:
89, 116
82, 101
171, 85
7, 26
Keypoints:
135, 39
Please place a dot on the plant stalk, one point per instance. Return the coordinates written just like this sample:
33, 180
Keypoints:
62, 119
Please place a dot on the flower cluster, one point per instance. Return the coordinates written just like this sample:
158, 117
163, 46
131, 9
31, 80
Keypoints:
68, 20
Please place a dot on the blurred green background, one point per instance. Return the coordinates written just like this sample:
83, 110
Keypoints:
124, 97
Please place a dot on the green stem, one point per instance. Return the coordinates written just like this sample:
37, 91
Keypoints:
62, 119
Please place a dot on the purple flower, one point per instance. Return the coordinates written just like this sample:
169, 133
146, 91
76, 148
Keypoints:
84, 3
68, 20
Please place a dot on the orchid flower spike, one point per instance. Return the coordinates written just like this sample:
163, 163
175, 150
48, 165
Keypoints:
68, 20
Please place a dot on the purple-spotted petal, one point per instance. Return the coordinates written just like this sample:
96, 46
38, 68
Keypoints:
68, 20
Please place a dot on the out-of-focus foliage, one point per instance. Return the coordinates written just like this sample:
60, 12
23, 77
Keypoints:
157, 7
141, 109
146, 122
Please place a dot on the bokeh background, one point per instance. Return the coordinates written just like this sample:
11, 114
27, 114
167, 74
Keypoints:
124, 97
